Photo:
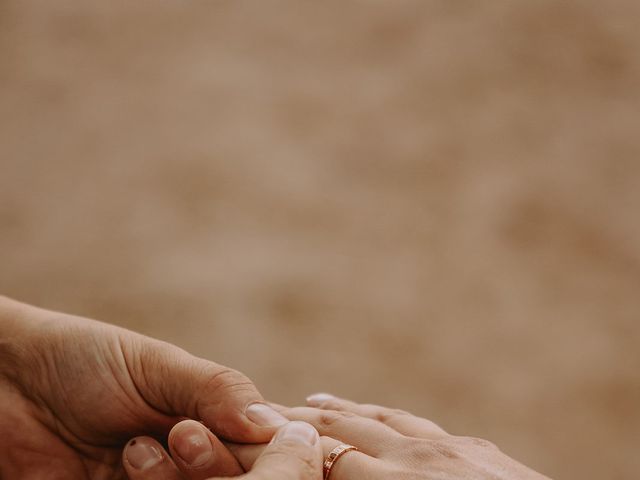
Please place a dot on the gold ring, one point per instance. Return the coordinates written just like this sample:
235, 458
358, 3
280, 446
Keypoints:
333, 457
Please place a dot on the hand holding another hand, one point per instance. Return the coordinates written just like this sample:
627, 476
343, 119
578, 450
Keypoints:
391, 444
294, 453
73, 391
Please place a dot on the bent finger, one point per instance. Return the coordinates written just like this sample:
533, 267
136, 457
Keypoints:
179, 384
399, 420
199, 454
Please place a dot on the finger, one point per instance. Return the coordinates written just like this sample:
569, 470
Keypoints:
179, 384
277, 406
370, 436
294, 454
199, 454
401, 421
353, 464
350, 464
145, 459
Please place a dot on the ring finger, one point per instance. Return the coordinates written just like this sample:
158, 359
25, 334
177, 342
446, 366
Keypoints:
350, 465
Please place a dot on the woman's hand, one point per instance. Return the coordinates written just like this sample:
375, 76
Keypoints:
395, 444
73, 391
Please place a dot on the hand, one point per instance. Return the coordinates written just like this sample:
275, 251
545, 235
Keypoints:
295, 453
395, 444
73, 391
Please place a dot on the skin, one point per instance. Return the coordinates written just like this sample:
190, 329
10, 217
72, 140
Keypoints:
391, 444
295, 453
73, 391
395, 444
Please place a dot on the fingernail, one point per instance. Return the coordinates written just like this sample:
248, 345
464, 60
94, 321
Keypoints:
142, 455
299, 432
264, 415
319, 398
192, 444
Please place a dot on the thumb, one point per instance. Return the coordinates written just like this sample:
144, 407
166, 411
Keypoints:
179, 384
295, 453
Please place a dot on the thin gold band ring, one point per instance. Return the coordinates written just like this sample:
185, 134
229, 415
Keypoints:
333, 457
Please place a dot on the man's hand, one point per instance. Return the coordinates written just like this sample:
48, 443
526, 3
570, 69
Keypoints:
73, 391
295, 453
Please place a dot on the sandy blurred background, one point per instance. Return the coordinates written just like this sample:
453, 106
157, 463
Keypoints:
430, 205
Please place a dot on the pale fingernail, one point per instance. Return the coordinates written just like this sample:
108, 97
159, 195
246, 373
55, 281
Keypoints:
264, 415
142, 455
319, 398
192, 444
299, 432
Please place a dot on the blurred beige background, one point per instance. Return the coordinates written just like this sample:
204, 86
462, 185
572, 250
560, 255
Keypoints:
430, 205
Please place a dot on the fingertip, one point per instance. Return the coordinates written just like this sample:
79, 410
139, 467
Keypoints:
233, 425
295, 453
293, 435
297, 432
265, 415
142, 453
197, 450
317, 399
255, 422
144, 458
189, 442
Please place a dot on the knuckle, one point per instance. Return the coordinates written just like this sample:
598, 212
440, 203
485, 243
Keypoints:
224, 379
478, 442
388, 415
446, 449
418, 452
329, 419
